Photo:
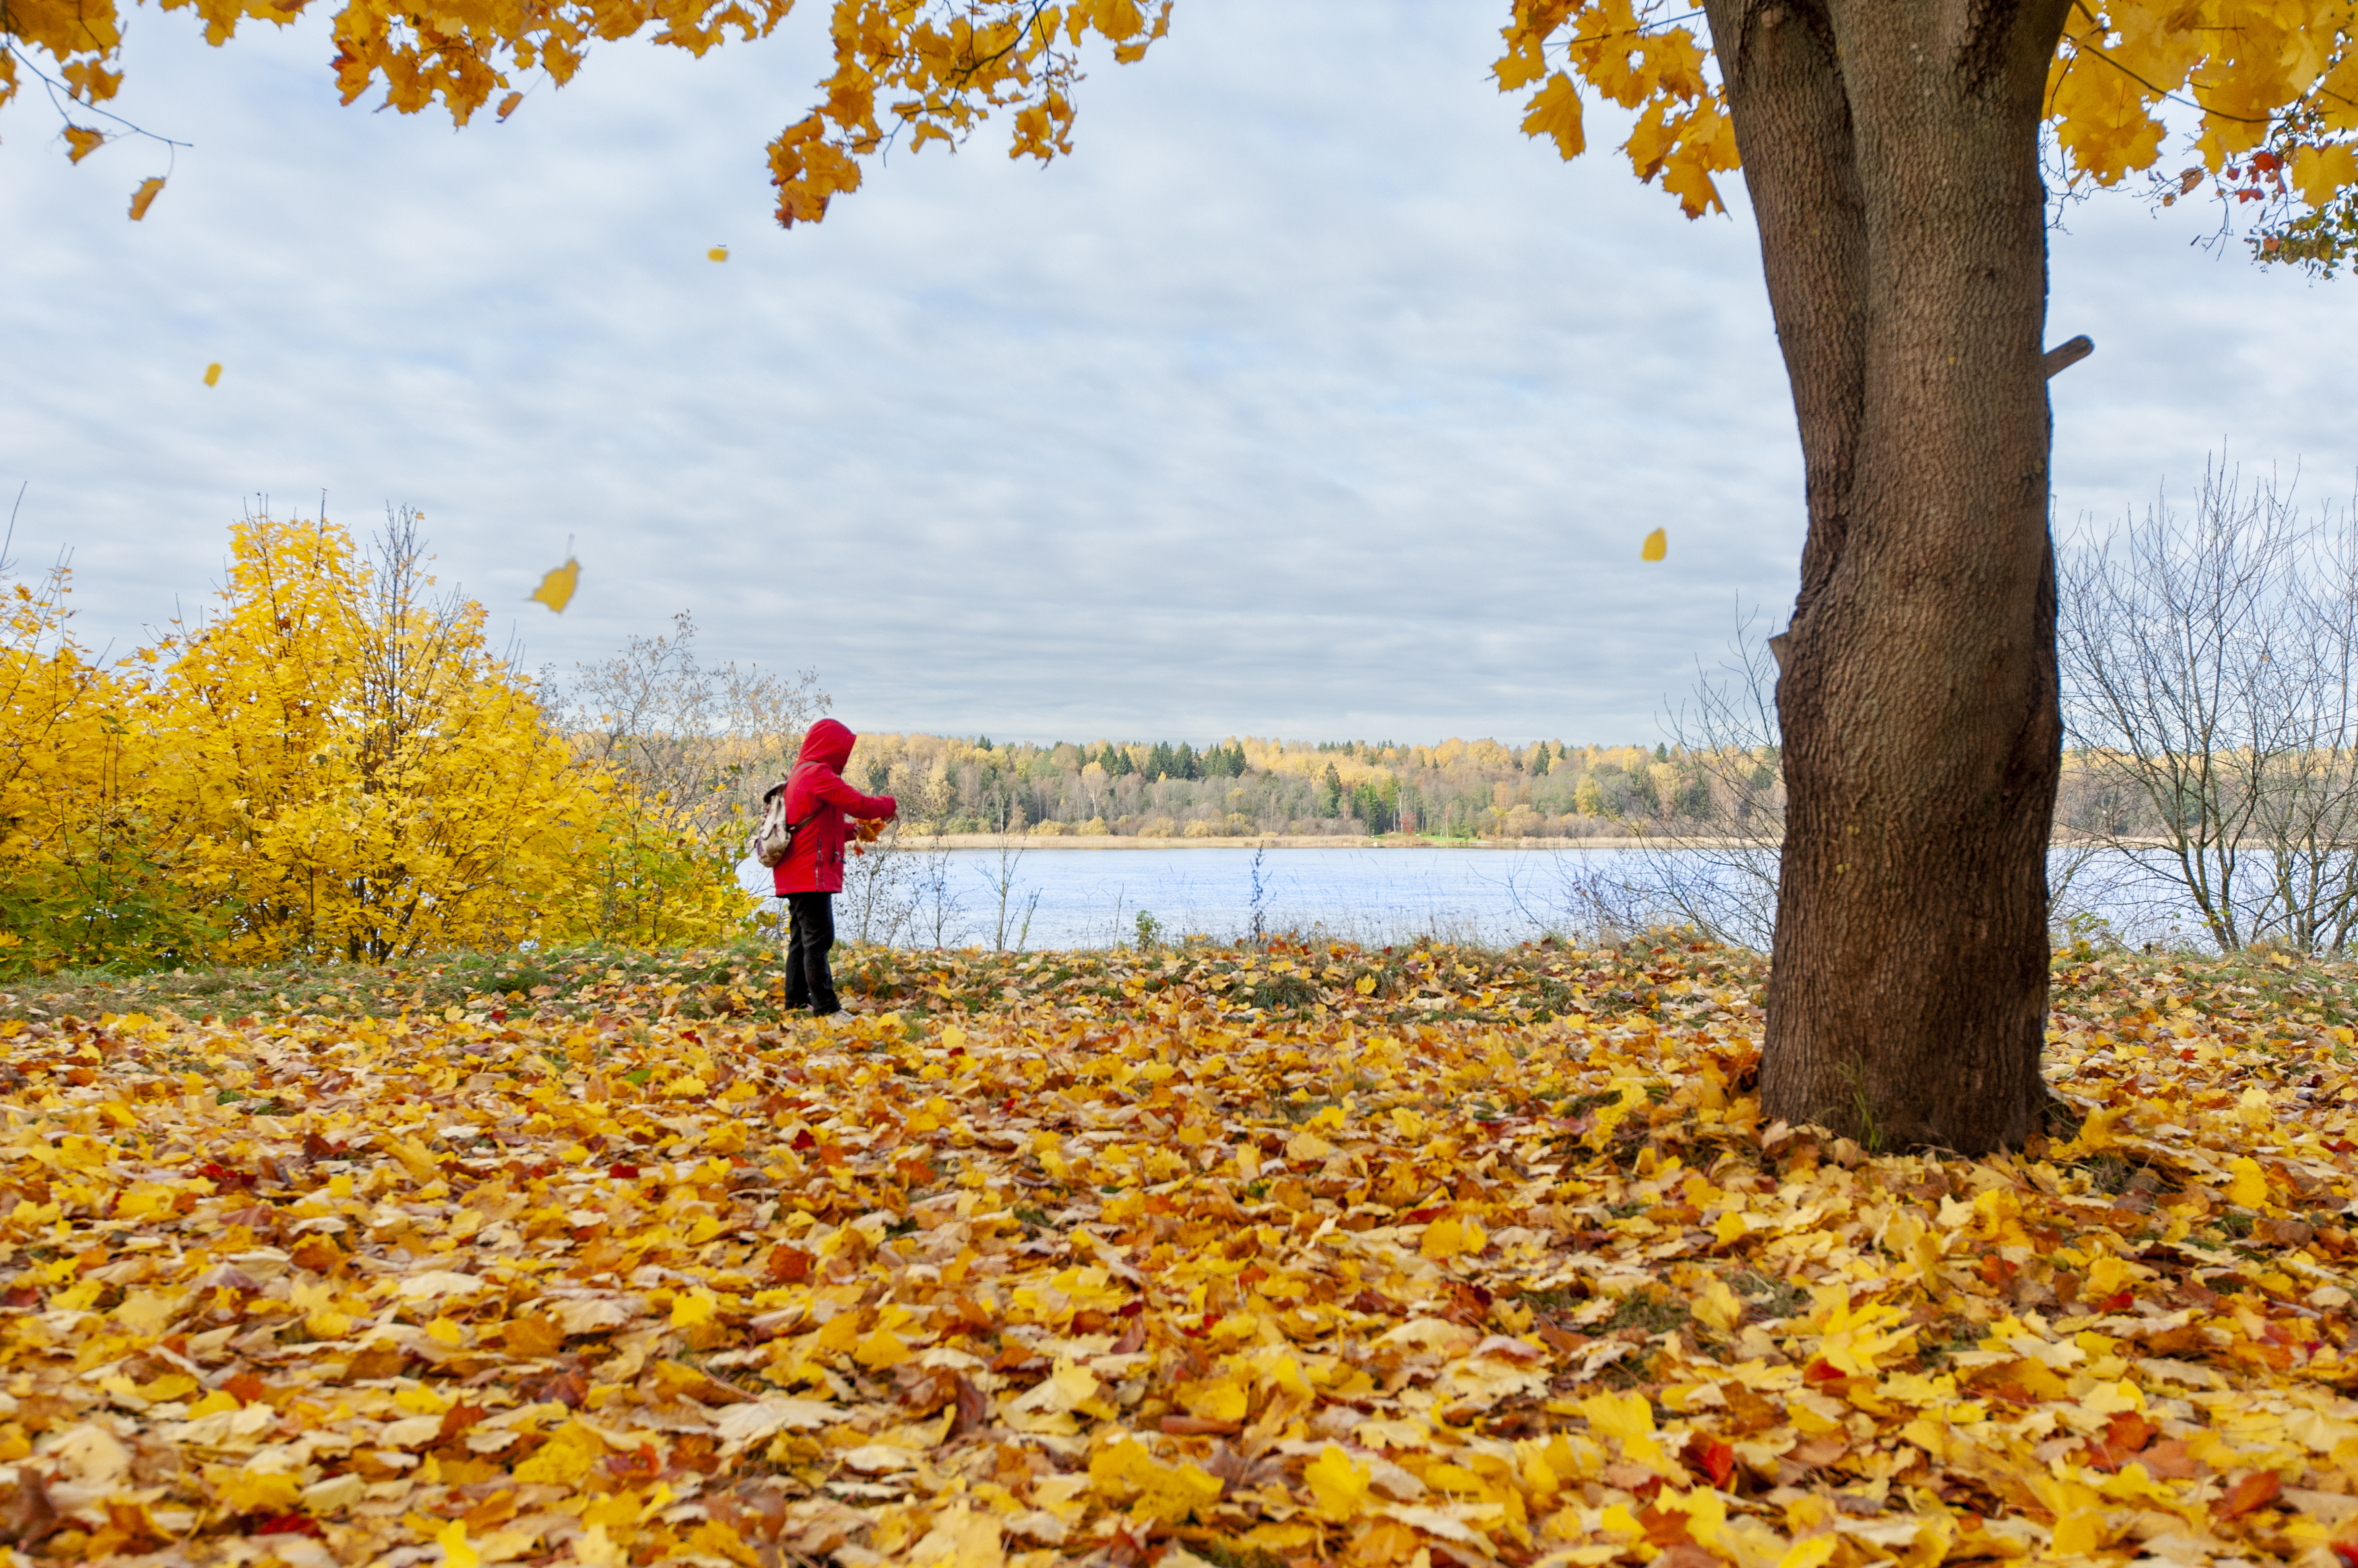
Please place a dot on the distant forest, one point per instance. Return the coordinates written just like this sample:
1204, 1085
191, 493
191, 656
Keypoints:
1246, 786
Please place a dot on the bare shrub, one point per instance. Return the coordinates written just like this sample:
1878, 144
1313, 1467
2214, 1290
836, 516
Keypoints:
696, 745
2209, 667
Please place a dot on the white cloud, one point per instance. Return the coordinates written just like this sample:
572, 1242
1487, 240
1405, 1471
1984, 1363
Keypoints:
1308, 397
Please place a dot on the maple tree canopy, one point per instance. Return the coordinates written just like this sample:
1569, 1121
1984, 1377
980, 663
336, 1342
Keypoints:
2275, 83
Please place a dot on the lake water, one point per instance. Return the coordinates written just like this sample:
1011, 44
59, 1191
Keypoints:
1070, 898
1093, 899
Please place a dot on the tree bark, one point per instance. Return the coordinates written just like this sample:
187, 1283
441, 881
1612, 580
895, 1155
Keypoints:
1891, 151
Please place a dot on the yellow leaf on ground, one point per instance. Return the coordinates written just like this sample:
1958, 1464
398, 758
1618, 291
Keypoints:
1339, 1483
2078, 1534
593, 1548
2250, 1187
455, 1553
1450, 1237
250, 1493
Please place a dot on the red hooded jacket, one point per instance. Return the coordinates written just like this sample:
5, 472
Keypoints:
816, 862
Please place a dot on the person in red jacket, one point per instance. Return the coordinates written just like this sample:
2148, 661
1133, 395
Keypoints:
811, 873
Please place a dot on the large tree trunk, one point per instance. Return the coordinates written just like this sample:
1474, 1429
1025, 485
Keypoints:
1890, 147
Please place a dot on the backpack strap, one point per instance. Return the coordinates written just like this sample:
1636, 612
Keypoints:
792, 828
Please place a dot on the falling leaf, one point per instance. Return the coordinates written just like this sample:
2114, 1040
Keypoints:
213, 373
1657, 546
718, 252
555, 589
145, 197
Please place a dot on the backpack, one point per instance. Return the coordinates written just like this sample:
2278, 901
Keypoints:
773, 835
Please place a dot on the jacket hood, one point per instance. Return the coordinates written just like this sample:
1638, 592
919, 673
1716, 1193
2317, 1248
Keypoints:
828, 743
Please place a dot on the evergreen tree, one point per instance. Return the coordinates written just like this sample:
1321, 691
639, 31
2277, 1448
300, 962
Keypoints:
1121, 764
1540, 760
1330, 793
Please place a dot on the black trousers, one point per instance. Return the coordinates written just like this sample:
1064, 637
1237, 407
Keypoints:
810, 932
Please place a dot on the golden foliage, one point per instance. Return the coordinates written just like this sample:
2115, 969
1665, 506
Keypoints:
2274, 83
2273, 80
350, 768
76, 885
1091, 1253
334, 764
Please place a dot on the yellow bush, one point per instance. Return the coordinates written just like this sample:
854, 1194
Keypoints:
85, 872
355, 772
334, 763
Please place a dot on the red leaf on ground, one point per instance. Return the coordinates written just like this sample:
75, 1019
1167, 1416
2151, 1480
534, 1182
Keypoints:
2254, 1490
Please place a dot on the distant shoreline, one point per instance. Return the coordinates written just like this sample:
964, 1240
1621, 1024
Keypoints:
1270, 841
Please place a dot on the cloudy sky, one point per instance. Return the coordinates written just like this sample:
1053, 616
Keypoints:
1307, 398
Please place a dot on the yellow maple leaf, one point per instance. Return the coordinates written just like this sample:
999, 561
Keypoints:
1450, 1237
882, 1348
1339, 1483
247, 1492
1618, 1416
564, 1460
1223, 1399
718, 253
455, 1553
1125, 1470
2250, 1187
1555, 114
1717, 1306
145, 197
2078, 1534
555, 589
594, 1549
1657, 546
213, 373
2109, 1275
81, 142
